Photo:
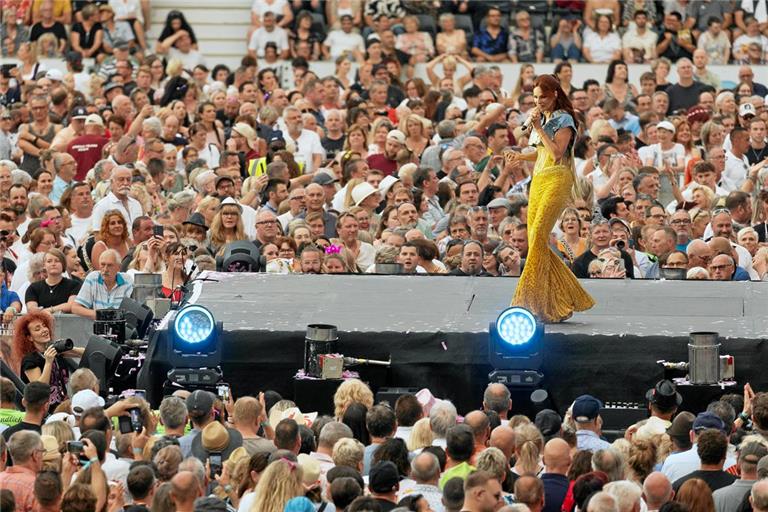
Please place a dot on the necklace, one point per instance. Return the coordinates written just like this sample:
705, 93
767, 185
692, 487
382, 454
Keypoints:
758, 156
52, 288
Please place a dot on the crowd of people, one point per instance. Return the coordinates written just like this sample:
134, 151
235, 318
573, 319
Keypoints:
202, 452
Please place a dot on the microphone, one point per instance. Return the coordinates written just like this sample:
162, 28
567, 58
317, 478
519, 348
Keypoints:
528, 124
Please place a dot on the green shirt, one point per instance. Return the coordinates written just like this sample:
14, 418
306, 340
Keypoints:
462, 471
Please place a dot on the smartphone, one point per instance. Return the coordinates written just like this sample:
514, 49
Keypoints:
78, 448
215, 463
140, 392
124, 424
223, 392
135, 418
157, 230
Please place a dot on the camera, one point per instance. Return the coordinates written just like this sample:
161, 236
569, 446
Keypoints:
78, 448
62, 346
620, 245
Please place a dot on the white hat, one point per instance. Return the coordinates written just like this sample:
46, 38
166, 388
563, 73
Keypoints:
94, 120
62, 416
397, 136
84, 400
54, 74
363, 190
230, 201
247, 132
666, 125
386, 183
747, 109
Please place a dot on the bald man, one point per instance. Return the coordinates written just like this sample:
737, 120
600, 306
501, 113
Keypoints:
758, 496
530, 491
657, 490
498, 398
557, 461
480, 425
185, 489
503, 438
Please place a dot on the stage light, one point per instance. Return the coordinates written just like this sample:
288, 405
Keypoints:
516, 326
194, 338
515, 348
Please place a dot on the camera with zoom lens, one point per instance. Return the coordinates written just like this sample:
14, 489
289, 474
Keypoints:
620, 245
62, 346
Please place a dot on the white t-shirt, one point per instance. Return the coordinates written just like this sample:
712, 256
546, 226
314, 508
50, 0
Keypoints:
743, 41
736, 170
261, 7
339, 42
658, 157
80, 228
602, 49
261, 37
308, 144
188, 60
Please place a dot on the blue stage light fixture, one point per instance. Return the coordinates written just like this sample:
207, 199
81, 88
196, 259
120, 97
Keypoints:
515, 348
516, 326
194, 325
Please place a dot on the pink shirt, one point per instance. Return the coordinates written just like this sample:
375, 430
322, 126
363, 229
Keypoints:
21, 482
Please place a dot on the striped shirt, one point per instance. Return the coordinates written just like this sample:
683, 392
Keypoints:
94, 294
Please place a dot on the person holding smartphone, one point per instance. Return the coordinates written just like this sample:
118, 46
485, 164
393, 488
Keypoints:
174, 275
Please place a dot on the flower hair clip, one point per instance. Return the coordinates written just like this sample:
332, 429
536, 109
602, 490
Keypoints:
333, 249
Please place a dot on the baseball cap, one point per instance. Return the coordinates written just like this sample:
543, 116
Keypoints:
54, 74
323, 178
360, 192
618, 220
664, 394
200, 402
681, 425
84, 400
383, 477
747, 109
666, 125
94, 119
586, 408
500, 202
79, 113
548, 422
397, 136
707, 420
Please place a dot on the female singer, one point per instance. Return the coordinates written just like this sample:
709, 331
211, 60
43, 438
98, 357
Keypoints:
547, 287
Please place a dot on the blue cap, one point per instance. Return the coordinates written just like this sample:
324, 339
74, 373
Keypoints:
586, 408
707, 420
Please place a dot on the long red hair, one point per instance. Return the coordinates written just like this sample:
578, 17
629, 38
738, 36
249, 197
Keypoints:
22, 345
549, 84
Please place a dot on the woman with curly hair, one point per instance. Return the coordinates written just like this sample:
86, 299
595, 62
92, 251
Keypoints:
37, 359
113, 234
349, 392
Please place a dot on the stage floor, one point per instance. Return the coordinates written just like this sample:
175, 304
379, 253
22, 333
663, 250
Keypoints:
435, 329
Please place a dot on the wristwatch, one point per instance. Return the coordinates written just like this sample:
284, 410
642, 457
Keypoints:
743, 416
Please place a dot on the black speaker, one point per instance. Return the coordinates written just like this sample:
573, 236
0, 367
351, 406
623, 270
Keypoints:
137, 317
102, 358
390, 395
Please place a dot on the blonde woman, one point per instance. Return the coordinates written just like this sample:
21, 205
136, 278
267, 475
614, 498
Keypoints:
208, 208
226, 227
280, 482
528, 446
494, 462
349, 452
421, 435
351, 391
415, 129
377, 137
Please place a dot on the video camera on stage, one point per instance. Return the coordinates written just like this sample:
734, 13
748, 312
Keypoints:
241, 256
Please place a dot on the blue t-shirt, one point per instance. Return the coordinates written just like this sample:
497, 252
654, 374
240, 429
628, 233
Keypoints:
7, 297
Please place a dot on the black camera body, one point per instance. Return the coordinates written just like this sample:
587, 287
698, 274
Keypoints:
62, 346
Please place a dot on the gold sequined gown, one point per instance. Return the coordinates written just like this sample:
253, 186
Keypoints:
547, 287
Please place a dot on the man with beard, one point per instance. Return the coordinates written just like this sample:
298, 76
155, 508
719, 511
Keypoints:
315, 202
117, 199
17, 195
385, 162
408, 217
471, 260
311, 259
308, 148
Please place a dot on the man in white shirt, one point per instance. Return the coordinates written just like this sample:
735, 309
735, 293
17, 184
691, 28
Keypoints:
639, 44
344, 40
736, 163
184, 51
307, 148
117, 199
269, 33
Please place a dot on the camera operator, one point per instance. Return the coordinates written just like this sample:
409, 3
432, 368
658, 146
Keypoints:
37, 357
